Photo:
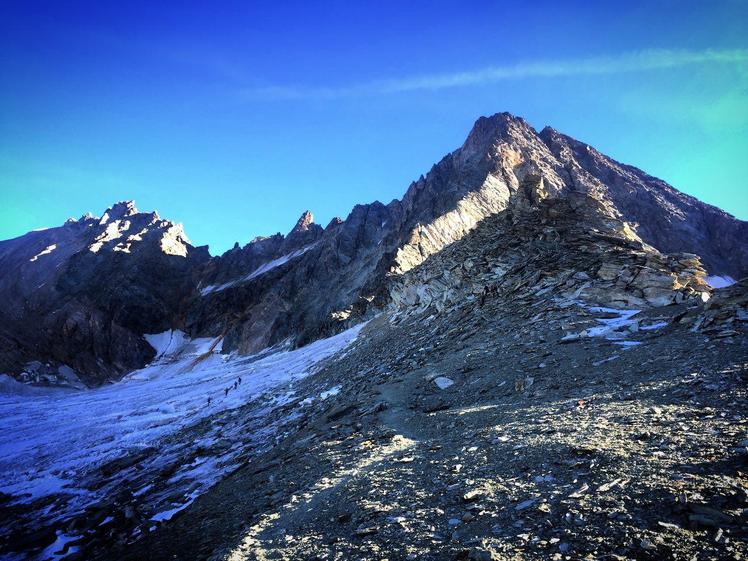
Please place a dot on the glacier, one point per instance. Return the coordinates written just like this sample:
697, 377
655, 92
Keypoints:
65, 450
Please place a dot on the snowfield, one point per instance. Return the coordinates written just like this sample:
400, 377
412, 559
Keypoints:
179, 415
720, 281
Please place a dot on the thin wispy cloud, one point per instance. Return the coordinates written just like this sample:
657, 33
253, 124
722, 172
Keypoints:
636, 61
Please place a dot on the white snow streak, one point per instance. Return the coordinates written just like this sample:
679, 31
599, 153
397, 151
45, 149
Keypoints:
335, 390
613, 328
720, 281
261, 270
46, 251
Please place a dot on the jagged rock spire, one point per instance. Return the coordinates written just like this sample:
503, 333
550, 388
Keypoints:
336, 221
122, 209
302, 225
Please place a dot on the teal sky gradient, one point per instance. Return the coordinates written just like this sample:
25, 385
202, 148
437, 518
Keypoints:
235, 120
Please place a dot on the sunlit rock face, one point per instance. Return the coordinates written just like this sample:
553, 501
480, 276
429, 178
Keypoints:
96, 285
504, 165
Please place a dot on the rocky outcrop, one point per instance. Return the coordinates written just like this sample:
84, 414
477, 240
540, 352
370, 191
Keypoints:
725, 315
564, 249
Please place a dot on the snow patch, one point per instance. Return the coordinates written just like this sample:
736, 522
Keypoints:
653, 326
610, 328
614, 328
57, 550
167, 343
628, 344
166, 515
442, 382
46, 251
717, 281
335, 390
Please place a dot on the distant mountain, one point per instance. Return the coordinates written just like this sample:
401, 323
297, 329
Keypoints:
79, 298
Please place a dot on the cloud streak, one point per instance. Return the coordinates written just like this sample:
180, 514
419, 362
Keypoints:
636, 61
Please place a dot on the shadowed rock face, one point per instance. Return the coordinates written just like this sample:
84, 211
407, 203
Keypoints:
83, 294
667, 219
87, 301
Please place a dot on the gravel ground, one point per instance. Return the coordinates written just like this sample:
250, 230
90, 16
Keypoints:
536, 448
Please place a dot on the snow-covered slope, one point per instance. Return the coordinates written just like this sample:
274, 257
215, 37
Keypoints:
162, 433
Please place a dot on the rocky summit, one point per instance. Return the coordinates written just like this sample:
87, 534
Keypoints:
537, 353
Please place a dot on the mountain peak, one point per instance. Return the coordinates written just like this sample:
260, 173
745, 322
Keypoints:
548, 131
119, 210
336, 221
502, 120
302, 225
500, 126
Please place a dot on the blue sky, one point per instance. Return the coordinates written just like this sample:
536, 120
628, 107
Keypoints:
235, 119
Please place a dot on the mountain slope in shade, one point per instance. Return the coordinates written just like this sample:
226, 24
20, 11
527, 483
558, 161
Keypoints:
77, 298
97, 285
664, 217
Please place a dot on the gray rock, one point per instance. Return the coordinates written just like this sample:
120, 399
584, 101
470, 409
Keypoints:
442, 382
483, 554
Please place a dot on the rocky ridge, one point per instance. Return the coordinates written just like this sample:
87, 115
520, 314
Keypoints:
314, 282
79, 297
